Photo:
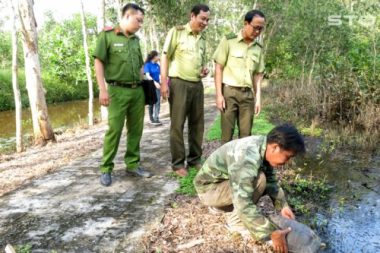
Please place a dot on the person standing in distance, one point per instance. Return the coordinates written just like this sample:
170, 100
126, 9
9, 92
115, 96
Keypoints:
183, 61
118, 61
152, 72
239, 67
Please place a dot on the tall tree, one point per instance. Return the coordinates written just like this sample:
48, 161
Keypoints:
16, 90
100, 25
88, 69
43, 132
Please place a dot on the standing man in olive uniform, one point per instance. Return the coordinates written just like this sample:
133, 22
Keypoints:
238, 73
118, 61
183, 60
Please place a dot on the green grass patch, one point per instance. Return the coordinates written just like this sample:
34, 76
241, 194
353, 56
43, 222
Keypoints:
27, 248
186, 185
314, 132
261, 126
306, 194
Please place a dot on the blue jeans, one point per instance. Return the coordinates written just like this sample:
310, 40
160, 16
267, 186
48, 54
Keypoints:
154, 110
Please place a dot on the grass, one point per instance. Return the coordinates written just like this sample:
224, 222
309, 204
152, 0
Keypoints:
305, 194
186, 186
261, 126
27, 248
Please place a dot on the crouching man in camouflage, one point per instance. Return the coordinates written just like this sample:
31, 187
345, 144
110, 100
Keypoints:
238, 173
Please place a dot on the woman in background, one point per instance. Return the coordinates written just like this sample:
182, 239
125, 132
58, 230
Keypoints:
152, 72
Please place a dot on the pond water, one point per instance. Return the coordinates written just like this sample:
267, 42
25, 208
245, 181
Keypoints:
352, 220
61, 115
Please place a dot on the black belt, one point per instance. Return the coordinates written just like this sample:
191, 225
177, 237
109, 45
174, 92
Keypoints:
132, 85
245, 88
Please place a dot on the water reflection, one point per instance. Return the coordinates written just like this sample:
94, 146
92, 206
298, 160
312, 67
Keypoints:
63, 114
353, 215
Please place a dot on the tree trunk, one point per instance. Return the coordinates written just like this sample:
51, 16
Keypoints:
100, 21
42, 129
16, 90
101, 24
88, 69
155, 38
119, 6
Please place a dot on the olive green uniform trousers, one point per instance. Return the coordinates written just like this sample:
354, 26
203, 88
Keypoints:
126, 106
186, 101
240, 108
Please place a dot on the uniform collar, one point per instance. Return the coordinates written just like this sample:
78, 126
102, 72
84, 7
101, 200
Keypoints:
118, 31
189, 31
263, 148
240, 38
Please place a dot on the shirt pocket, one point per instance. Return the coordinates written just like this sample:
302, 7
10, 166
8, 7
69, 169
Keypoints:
253, 62
185, 47
118, 54
237, 60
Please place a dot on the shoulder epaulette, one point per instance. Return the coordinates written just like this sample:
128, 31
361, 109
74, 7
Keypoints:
231, 36
108, 28
180, 27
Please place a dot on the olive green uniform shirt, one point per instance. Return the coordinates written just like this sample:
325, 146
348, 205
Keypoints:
120, 54
185, 52
241, 61
240, 162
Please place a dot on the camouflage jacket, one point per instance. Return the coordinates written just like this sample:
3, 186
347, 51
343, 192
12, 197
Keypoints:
240, 161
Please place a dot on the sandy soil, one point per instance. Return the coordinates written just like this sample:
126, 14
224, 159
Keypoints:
19, 168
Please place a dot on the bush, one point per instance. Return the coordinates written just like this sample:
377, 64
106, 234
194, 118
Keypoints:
56, 90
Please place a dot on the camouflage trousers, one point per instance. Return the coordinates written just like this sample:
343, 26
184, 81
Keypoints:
220, 195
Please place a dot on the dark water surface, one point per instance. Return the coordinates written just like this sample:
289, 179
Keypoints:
61, 115
353, 215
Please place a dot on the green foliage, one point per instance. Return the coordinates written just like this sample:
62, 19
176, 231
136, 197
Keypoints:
186, 185
310, 131
56, 90
305, 195
62, 62
27, 248
61, 48
324, 72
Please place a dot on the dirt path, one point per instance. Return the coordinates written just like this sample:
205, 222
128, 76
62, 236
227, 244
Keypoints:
55, 201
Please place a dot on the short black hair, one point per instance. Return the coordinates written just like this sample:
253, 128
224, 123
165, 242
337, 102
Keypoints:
133, 7
288, 138
251, 14
198, 8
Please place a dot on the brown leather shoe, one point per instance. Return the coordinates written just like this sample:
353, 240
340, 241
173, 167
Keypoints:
182, 172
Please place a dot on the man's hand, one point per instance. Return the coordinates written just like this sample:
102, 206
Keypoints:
257, 108
157, 85
287, 213
104, 98
279, 240
164, 90
220, 102
204, 71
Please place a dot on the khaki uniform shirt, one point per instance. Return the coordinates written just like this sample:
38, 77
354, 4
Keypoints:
121, 56
240, 162
185, 52
241, 61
